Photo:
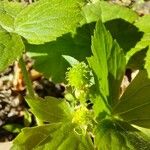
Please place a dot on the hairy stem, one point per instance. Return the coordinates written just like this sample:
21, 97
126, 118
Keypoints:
26, 77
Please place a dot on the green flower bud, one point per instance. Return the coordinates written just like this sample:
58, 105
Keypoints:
82, 116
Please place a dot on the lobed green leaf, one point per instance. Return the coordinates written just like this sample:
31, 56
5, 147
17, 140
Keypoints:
37, 24
134, 105
118, 20
50, 137
108, 63
35, 134
46, 20
50, 109
11, 48
107, 11
8, 13
126, 34
49, 57
117, 135
143, 25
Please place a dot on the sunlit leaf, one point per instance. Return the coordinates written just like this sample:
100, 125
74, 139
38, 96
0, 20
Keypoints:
39, 25
134, 105
117, 135
49, 109
107, 62
11, 48
8, 13
49, 57
107, 11
50, 137
143, 24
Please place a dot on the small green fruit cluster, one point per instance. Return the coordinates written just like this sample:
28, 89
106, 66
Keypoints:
82, 117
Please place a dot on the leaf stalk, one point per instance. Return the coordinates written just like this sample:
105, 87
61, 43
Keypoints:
26, 77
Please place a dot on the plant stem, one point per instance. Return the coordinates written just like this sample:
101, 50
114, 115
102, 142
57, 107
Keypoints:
26, 77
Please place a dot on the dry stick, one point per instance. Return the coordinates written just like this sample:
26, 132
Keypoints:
26, 77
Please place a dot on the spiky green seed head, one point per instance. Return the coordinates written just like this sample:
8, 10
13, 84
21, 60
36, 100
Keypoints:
79, 76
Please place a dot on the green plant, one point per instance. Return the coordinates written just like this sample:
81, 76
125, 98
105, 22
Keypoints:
98, 66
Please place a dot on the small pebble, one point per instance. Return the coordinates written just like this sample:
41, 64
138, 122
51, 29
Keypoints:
12, 112
15, 102
1, 122
7, 108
